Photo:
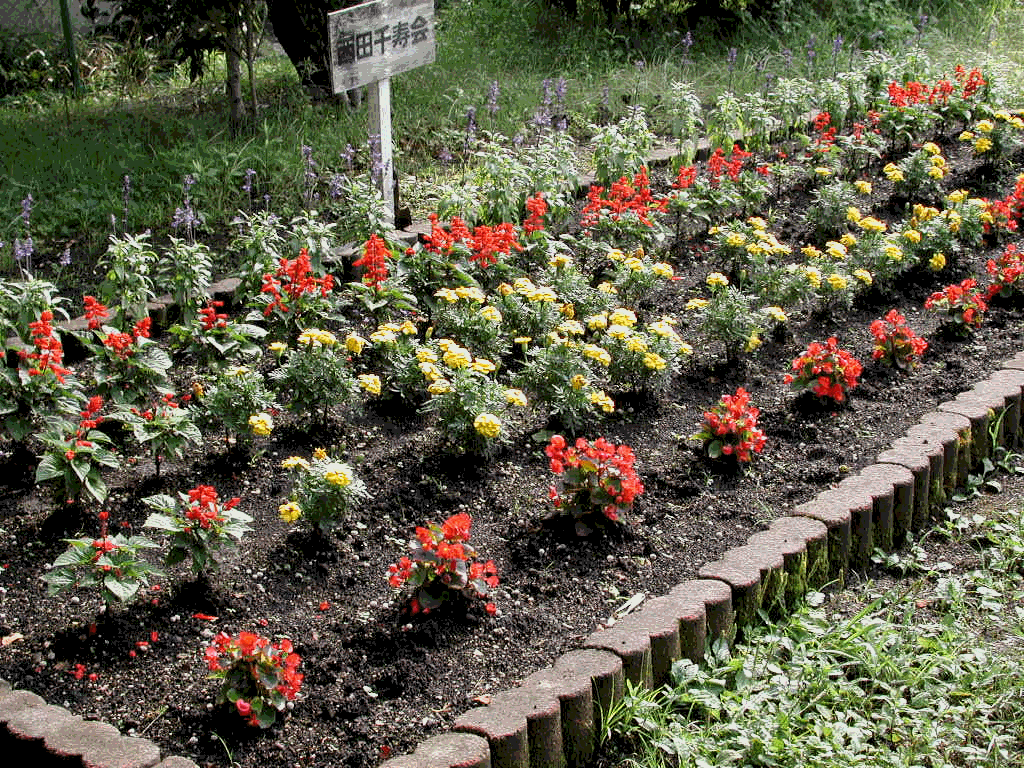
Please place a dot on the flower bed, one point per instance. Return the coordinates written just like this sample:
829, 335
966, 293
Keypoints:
515, 318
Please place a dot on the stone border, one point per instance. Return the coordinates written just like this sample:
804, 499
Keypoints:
552, 719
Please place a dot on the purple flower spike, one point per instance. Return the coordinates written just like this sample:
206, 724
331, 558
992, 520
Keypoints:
492, 98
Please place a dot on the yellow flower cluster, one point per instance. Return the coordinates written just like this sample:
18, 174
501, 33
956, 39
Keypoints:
863, 275
937, 262
837, 282
836, 250
261, 424
776, 314
862, 186
290, 512
602, 401
663, 269
370, 382
654, 361
491, 314
317, 336
600, 354
515, 397
892, 172
717, 280
488, 425
293, 462
278, 348
337, 475
355, 344
622, 316
813, 275
871, 224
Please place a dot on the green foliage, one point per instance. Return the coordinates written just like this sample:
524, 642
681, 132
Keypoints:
325, 492
199, 524
110, 564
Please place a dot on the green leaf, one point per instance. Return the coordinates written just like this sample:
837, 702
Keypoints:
95, 487
715, 449
121, 590
48, 469
162, 522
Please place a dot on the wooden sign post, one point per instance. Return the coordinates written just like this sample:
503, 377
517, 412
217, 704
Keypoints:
371, 42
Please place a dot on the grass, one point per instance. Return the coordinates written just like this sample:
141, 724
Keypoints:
73, 156
919, 671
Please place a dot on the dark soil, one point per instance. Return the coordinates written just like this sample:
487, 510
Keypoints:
377, 683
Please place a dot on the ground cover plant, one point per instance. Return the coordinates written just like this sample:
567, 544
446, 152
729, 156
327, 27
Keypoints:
356, 402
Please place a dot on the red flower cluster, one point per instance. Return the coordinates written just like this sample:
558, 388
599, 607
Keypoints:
964, 305
375, 268
971, 81
211, 318
203, 506
247, 662
719, 165
48, 353
485, 243
1006, 272
596, 476
895, 343
730, 428
826, 370
625, 197
94, 312
912, 93
443, 561
89, 419
537, 207
1007, 213
826, 132
294, 279
123, 344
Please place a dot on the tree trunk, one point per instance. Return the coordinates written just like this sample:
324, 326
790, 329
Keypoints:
233, 55
301, 28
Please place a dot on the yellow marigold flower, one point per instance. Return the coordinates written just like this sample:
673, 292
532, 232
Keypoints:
923, 213
293, 462
578, 382
383, 336
600, 354
836, 250
278, 348
957, 196
622, 316
1016, 122
607, 287
871, 224
554, 339
568, 310
408, 328
320, 454
633, 264
685, 349
937, 262
662, 329
602, 401
634, 344
936, 172
813, 275
370, 382
986, 217
544, 294
483, 365
654, 361
560, 261
523, 285
983, 144
490, 313
848, 240
967, 136
470, 293
488, 425
312, 336
836, 281
862, 186
853, 214
985, 126
430, 371
954, 220
597, 322
290, 512
696, 304
912, 235
823, 171
505, 289
516, 397
261, 424
714, 230
237, 371
938, 161
457, 357
893, 252
197, 390
355, 344
753, 342
448, 294
811, 252
337, 475
663, 269
571, 328
931, 148
776, 313
522, 339
440, 387
757, 223
892, 172
863, 275
735, 239
426, 355
616, 254
717, 280
638, 252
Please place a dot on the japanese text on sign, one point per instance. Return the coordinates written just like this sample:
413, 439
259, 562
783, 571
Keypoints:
379, 39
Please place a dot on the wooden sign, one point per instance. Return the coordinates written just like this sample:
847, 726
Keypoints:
376, 40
